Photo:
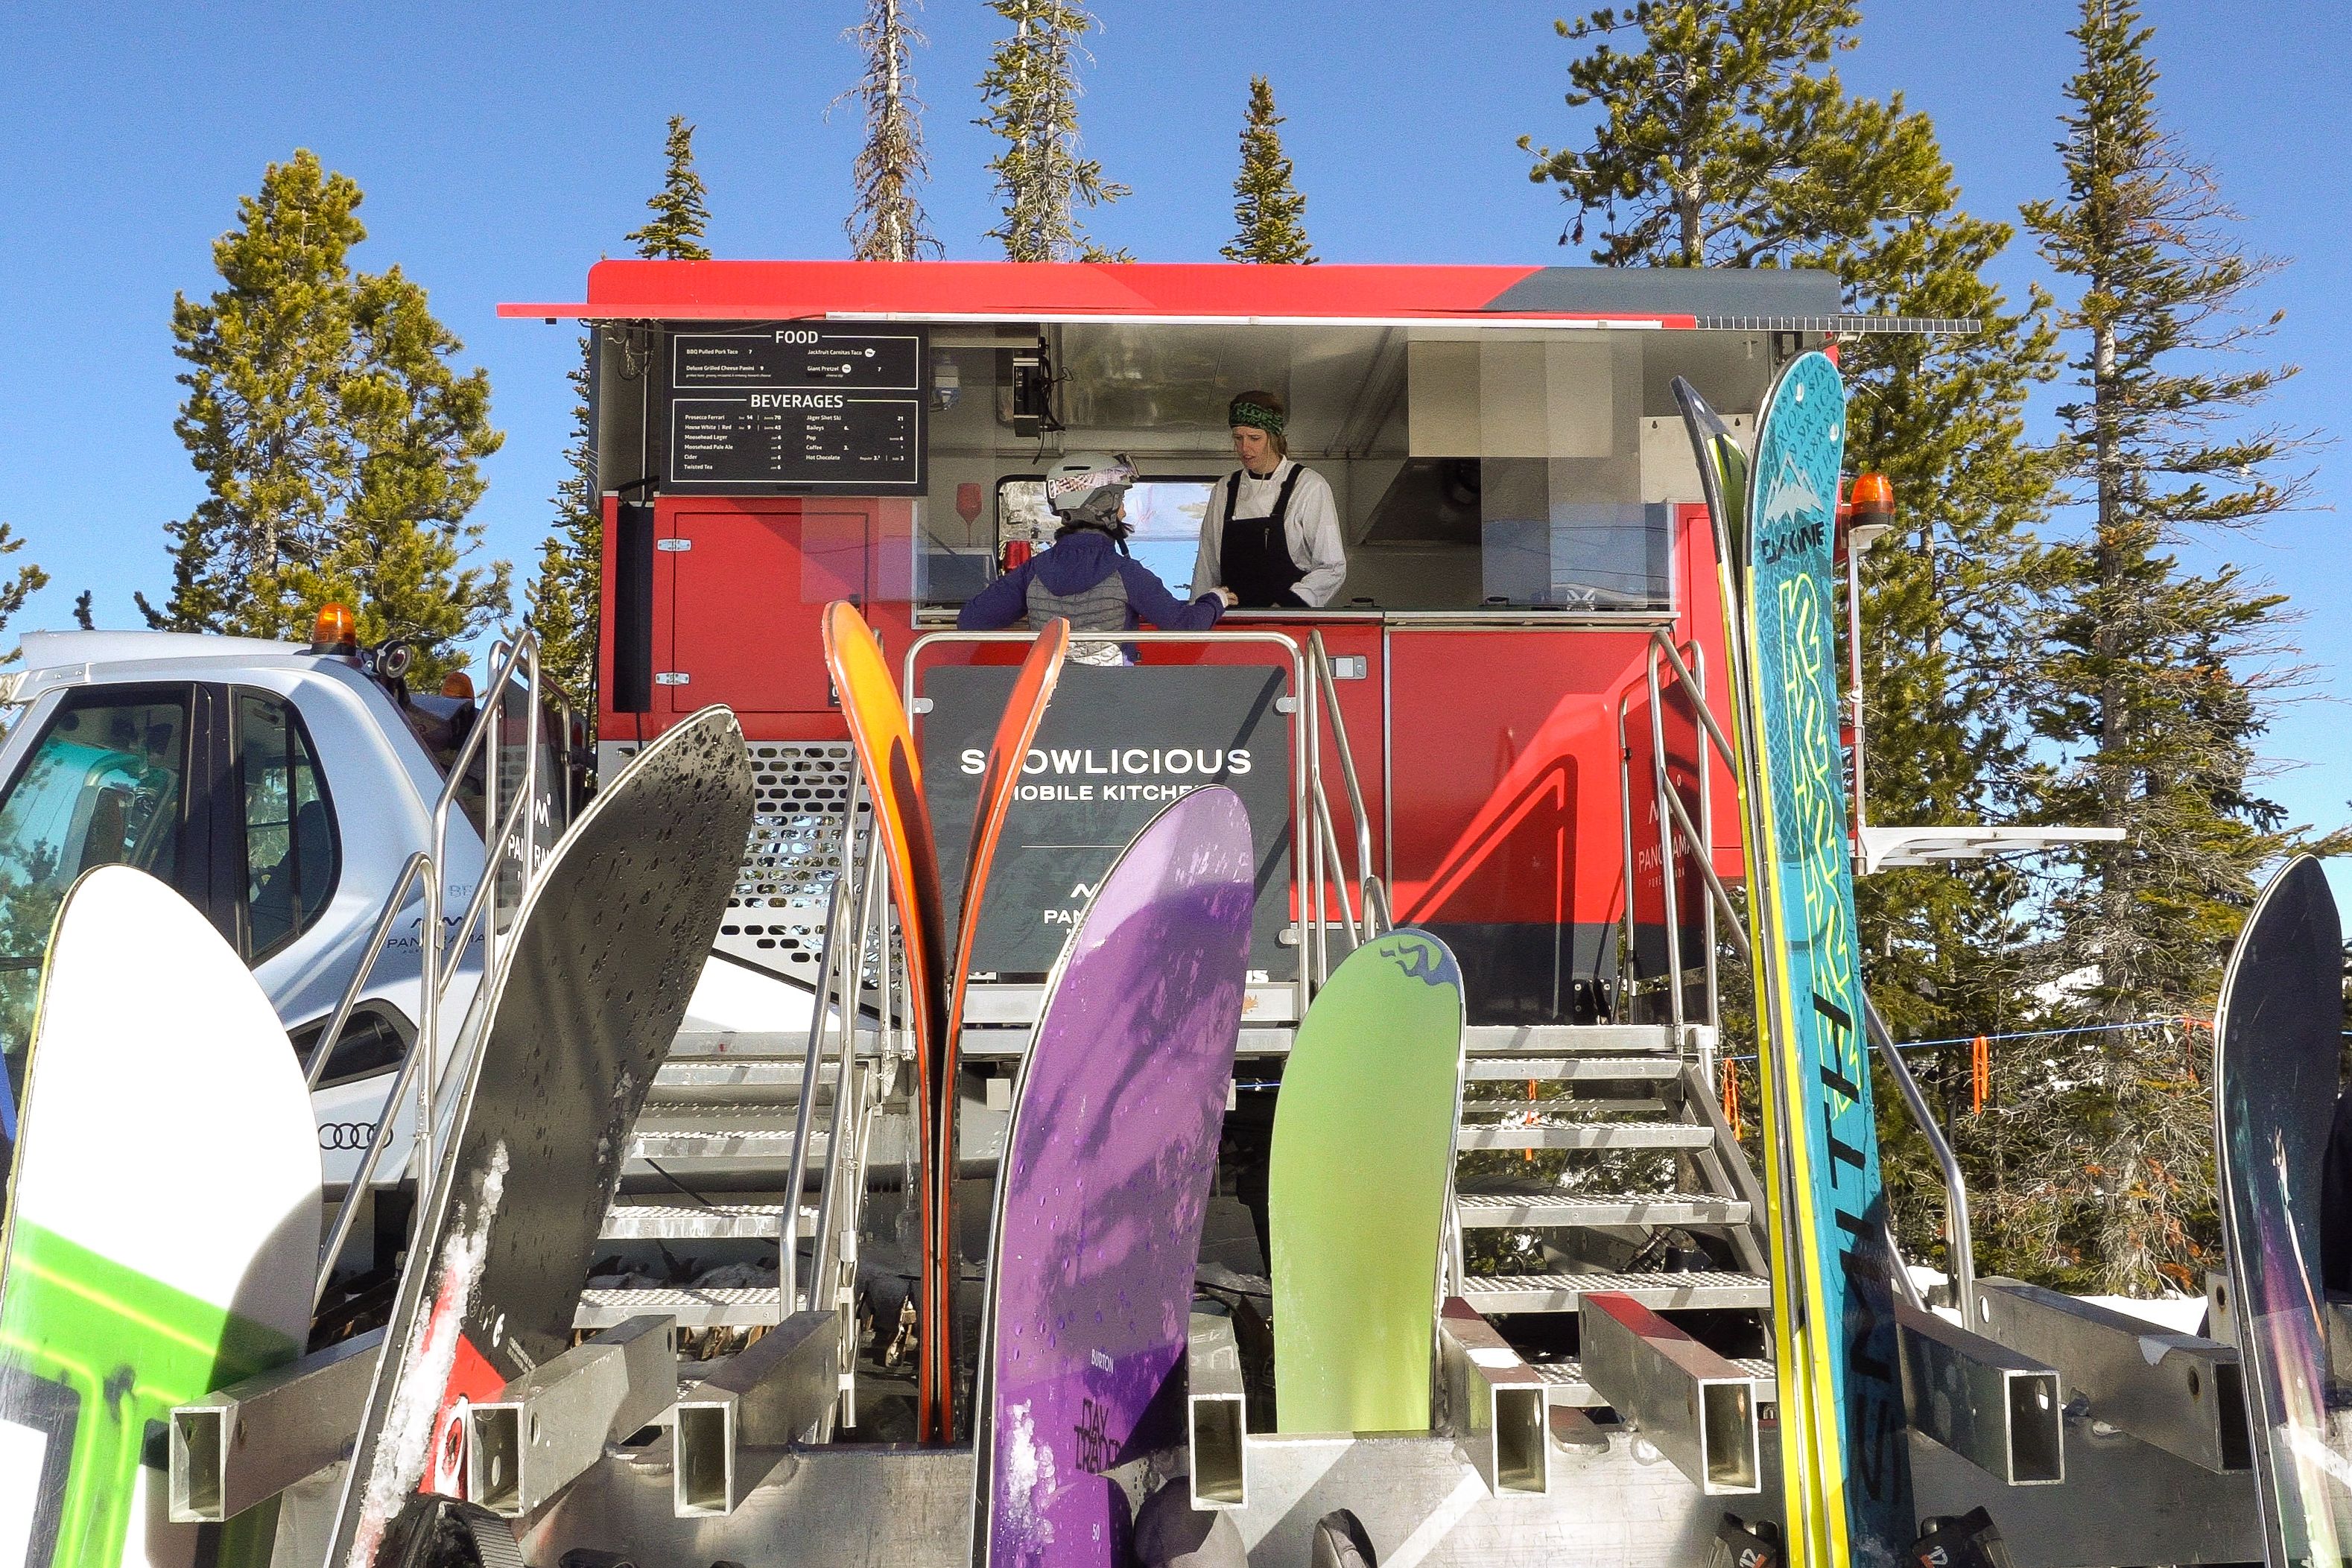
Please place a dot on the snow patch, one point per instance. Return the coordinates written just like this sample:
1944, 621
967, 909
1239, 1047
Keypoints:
1028, 1481
405, 1442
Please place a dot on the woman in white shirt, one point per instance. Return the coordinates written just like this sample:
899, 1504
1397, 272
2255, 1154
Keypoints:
1270, 538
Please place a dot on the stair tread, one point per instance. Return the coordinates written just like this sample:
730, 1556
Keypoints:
1589, 1135
1617, 1039
1561, 1293
1503, 1206
1650, 1068
632, 1221
745, 1307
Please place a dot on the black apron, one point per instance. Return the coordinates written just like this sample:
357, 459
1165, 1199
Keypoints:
1253, 557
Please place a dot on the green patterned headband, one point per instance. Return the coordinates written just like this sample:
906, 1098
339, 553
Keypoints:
1245, 412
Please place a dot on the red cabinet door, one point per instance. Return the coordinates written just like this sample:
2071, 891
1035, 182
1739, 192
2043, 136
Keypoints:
743, 588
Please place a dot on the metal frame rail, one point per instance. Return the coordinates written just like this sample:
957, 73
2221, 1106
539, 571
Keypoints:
422, 1062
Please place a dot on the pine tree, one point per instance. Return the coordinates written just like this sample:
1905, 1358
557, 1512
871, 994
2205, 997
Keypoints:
1266, 203
674, 231
887, 223
1722, 142
1031, 95
82, 616
28, 580
339, 449
263, 419
566, 597
2149, 696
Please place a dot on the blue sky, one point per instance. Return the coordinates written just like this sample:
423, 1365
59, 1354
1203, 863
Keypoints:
504, 147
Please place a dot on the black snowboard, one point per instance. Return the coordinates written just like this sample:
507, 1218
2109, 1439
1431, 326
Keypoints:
587, 997
2277, 1040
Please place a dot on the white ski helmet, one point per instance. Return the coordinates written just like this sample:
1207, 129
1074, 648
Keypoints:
1086, 487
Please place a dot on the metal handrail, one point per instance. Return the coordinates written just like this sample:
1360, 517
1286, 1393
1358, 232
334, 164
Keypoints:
1302, 816
332, 1035
421, 1062
524, 650
840, 966
1319, 660
1960, 1242
347, 1212
872, 923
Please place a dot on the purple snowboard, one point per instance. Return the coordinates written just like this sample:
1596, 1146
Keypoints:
1104, 1182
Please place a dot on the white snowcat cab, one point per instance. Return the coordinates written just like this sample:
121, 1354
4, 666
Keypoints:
283, 791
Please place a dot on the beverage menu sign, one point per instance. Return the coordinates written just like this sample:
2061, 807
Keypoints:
797, 410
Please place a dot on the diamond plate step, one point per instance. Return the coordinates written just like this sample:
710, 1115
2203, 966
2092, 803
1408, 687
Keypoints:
1564, 1382
748, 1307
1590, 1136
1560, 1039
1495, 1208
1564, 1107
630, 1220
1578, 1068
1660, 1292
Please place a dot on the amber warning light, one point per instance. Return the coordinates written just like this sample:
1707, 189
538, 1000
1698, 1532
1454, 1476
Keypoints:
1870, 509
335, 631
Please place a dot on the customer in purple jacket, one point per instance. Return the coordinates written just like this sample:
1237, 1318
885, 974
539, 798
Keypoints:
1086, 576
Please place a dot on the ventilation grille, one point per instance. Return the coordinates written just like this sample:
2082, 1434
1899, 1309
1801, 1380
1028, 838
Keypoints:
776, 917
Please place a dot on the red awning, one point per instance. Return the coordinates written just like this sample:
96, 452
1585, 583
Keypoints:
982, 290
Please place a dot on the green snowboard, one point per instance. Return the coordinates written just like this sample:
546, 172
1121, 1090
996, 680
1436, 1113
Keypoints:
1361, 1169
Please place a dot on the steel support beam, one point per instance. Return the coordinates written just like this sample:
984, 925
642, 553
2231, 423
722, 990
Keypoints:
1216, 1412
253, 1439
547, 1426
2001, 1411
772, 1393
1494, 1402
1692, 1406
2180, 1393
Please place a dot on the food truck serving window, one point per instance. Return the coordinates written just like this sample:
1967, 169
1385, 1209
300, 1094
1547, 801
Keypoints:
1473, 468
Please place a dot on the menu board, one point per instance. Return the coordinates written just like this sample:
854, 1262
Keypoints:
796, 410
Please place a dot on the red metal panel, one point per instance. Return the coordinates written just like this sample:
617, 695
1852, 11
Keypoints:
775, 290
1505, 755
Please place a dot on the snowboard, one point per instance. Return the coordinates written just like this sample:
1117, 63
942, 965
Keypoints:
1108, 1159
162, 1226
1357, 1187
588, 991
1008, 749
2277, 1039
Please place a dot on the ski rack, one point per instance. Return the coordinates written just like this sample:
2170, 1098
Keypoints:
252, 1440
1694, 1406
547, 1427
1216, 1424
2181, 1393
1495, 1402
776, 1393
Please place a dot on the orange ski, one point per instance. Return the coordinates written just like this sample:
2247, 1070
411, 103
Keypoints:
1007, 750
878, 732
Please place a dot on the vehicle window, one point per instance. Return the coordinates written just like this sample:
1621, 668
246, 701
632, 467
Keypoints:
289, 829
103, 786
371, 1044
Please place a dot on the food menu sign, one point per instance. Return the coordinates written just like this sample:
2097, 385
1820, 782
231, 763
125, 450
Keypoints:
797, 410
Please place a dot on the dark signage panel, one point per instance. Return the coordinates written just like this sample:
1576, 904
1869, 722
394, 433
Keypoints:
1115, 746
816, 409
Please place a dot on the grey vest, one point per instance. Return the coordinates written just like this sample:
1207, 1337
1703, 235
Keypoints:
1102, 608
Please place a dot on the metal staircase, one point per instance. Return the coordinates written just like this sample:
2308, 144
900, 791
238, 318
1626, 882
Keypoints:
1626, 1179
